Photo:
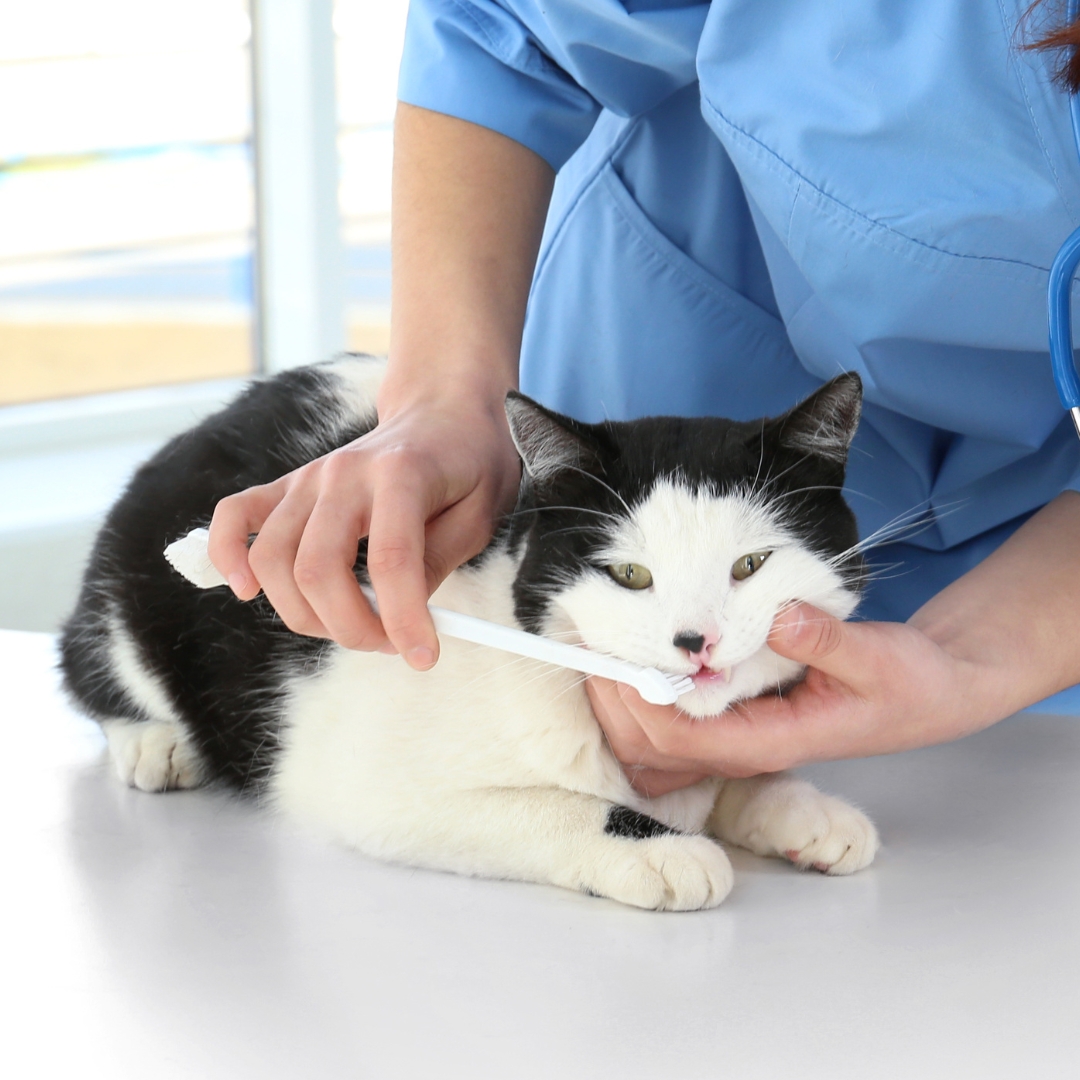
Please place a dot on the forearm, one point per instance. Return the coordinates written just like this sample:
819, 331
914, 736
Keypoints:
1014, 620
468, 213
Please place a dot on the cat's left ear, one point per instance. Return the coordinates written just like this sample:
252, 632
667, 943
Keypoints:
546, 441
825, 423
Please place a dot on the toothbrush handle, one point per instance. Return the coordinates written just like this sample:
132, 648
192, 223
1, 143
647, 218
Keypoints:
481, 632
189, 557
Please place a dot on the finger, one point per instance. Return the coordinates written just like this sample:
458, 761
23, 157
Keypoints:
324, 574
736, 743
623, 733
652, 783
395, 562
272, 557
455, 536
630, 725
235, 518
842, 650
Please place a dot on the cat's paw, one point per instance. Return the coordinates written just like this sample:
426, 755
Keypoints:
671, 872
152, 756
792, 819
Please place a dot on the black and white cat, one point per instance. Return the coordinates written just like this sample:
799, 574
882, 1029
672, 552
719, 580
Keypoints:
669, 542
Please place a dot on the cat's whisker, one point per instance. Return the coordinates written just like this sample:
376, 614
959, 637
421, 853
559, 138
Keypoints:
761, 454
804, 490
904, 526
771, 479
883, 573
607, 487
571, 529
574, 509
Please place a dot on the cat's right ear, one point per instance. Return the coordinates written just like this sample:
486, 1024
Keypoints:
547, 442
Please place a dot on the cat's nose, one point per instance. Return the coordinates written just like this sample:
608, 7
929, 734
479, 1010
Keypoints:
696, 643
688, 640
692, 642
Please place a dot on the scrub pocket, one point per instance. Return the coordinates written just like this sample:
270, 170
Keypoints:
622, 323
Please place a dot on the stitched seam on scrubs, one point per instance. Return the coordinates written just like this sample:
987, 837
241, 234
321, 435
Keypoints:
871, 224
791, 218
474, 18
572, 206
675, 258
537, 58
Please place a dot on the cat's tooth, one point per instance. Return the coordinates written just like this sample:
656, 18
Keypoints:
726, 673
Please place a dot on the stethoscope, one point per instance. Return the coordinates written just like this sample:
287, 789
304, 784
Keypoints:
1059, 293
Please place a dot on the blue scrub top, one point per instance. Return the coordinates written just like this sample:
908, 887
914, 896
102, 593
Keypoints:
753, 197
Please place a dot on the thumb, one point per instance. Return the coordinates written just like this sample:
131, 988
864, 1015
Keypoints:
811, 636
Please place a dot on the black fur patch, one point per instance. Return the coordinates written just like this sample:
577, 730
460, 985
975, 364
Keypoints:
622, 821
226, 666
563, 520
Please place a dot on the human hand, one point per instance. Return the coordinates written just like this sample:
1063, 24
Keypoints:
425, 487
870, 688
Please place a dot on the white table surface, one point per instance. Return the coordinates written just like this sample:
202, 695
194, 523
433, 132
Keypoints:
189, 935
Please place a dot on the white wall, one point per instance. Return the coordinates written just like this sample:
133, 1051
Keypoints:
62, 464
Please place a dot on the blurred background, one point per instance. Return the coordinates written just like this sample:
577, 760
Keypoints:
191, 192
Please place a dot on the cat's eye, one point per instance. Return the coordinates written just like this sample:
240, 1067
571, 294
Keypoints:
746, 565
630, 575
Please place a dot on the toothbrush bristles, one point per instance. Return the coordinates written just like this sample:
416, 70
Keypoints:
681, 684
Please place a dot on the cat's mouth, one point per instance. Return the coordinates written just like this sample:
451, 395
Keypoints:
707, 677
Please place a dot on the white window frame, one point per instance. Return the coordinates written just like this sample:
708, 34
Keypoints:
299, 306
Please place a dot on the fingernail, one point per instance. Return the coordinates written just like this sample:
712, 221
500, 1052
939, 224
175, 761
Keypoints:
238, 583
388, 648
421, 658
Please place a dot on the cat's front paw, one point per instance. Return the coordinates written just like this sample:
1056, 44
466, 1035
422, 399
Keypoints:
152, 756
790, 818
671, 872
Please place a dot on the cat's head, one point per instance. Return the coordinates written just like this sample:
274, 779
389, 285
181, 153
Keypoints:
674, 542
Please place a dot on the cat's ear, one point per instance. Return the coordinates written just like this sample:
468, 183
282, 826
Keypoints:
825, 423
546, 441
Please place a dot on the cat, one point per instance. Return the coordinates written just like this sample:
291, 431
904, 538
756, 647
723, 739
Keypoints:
665, 541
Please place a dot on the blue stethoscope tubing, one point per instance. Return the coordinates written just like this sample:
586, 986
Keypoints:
1059, 294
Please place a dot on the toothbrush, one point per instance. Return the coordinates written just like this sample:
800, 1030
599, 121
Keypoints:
188, 556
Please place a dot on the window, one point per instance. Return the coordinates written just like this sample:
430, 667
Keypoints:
369, 42
126, 195
131, 273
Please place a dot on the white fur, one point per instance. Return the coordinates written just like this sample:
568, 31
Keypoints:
689, 541
152, 756
360, 378
139, 683
494, 765
155, 754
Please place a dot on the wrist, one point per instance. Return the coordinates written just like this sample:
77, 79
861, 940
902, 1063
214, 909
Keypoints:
989, 682
469, 383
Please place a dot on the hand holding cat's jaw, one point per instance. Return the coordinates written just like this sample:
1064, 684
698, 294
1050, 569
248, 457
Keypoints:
870, 688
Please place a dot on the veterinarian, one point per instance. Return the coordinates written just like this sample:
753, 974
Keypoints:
711, 209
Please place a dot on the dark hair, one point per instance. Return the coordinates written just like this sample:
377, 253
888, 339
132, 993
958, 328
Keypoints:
1064, 38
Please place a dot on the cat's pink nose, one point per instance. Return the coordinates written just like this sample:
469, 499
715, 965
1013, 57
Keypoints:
696, 644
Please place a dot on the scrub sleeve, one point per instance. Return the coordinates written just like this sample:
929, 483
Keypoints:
754, 197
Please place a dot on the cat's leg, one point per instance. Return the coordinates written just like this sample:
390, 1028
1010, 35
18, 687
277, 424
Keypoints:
576, 841
152, 755
781, 815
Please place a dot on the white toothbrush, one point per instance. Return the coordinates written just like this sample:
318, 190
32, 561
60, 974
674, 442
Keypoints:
188, 557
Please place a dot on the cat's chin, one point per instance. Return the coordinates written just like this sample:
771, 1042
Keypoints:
762, 673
